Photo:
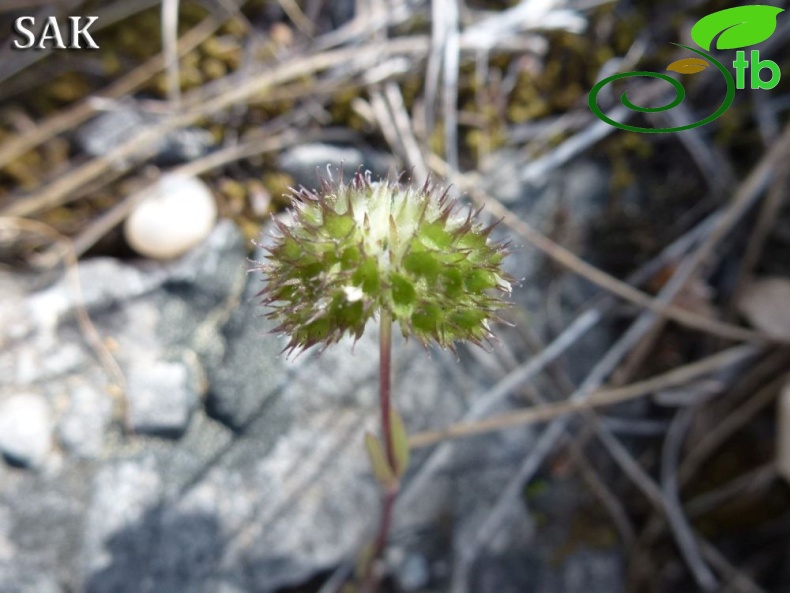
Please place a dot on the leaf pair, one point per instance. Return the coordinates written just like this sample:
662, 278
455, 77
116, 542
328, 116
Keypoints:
737, 27
386, 475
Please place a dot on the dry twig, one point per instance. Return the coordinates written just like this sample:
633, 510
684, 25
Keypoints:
599, 398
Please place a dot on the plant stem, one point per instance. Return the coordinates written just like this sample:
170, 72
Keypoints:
385, 382
385, 402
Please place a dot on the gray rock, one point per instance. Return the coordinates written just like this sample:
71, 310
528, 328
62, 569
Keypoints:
250, 371
122, 493
162, 394
414, 572
26, 427
512, 572
501, 179
163, 552
530, 570
109, 129
152, 311
41, 514
7, 548
117, 125
285, 499
307, 161
84, 424
581, 187
341, 12
105, 284
34, 583
587, 571
149, 313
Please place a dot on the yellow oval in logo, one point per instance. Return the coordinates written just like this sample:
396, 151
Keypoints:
688, 65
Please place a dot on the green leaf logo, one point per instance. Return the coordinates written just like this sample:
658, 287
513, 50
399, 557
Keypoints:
741, 26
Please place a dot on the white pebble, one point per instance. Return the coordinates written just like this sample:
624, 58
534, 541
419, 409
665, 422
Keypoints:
177, 215
25, 429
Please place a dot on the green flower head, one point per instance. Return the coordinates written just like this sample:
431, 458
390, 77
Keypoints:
352, 249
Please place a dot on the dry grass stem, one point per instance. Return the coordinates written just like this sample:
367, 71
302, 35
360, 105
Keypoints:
602, 397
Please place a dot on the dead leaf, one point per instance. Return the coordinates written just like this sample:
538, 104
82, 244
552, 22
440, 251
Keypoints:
688, 65
766, 304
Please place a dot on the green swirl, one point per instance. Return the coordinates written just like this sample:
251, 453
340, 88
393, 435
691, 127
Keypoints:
680, 94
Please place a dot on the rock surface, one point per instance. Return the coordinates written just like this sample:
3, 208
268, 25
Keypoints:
218, 465
85, 421
122, 121
162, 395
306, 161
25, 429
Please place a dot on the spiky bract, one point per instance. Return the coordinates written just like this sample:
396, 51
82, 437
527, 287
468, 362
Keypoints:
354, 248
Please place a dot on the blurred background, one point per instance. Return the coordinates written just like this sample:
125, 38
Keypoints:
629, 432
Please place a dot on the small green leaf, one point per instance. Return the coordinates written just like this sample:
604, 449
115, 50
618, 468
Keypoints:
350, 257
467, 319
403, 293
425, 320
365, 559
337, 226
289, 249
378, 461
400, 442
452, 283
741, 26
477, 280
346, 313
434, 235
424, 264
366, 276
688, 65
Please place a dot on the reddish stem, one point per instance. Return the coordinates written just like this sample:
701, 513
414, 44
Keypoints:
391, 493
385, 383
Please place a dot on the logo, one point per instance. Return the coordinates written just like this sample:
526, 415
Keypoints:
50, 36
736, 28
